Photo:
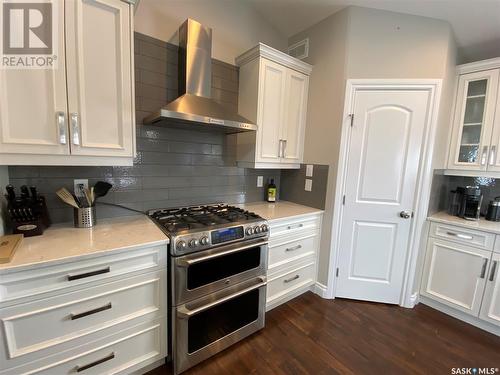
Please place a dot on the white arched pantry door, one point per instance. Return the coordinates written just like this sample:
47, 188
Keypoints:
380, 183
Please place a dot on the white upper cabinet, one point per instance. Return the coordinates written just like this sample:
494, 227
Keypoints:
272, 113
81, 113
273, 93
294, 127
475, 139
99, 77
33, 107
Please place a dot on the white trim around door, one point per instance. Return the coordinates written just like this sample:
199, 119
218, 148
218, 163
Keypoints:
433, 86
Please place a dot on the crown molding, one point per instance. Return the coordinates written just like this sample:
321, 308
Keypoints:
479, 65
269, 53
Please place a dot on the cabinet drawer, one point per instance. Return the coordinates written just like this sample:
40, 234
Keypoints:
294, 227
121, 353
37, 328
290, 251
101, 268
290, 281
482, 240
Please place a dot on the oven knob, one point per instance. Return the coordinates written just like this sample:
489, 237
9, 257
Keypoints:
193, 242
249, 231
204, 240
256, 229
264, 228
181, 245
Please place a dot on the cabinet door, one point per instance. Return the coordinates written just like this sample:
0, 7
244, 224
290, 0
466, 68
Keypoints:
98, 38
295, 111
270, 112
455, 275
473, 120
490, 308
33, 106
494, 157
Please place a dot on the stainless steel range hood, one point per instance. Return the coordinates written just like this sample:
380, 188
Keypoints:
195, 107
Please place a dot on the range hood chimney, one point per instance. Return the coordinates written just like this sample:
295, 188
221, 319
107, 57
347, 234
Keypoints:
195, 106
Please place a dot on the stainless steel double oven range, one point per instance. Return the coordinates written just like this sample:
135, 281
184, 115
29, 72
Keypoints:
218, 261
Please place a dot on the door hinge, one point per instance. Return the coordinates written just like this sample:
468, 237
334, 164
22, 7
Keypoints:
337, 272
343, 200
352, 119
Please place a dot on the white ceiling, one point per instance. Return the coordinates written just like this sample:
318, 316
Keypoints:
476, 23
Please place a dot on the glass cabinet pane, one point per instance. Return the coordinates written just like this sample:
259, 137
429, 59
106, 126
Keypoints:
477, 87
474, 109
473, 121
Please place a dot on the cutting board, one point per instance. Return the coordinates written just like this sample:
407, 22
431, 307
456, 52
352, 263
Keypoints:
8, 246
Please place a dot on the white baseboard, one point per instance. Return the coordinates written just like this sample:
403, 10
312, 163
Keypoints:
320, 290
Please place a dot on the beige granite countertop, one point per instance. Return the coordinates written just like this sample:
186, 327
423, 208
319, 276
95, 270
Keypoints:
279, 210
481, 224
62, 241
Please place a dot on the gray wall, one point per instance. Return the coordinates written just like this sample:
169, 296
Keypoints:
173, 167
293, 183
365, 43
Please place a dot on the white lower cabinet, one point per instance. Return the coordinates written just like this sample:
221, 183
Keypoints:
462, 276
455, 275
292, 259
490, 308
106, 325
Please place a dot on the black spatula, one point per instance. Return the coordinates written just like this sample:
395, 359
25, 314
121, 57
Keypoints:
101, 188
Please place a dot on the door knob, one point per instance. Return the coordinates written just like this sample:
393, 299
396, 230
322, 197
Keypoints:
405, 214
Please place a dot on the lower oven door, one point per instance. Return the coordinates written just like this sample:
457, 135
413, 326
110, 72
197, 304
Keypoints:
210, 324
199, 274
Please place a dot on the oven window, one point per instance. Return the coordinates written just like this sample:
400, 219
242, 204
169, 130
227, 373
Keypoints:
211, 325
221, 267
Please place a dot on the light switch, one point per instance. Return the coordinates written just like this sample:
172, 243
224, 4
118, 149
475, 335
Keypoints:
260, 181
309, 170
309, 184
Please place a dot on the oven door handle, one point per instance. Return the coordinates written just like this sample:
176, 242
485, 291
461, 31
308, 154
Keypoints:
189, 262
184, 313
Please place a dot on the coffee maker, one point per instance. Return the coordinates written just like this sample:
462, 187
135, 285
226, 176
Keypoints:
465, 202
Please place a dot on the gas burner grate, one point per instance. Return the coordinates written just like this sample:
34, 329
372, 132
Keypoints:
199, 217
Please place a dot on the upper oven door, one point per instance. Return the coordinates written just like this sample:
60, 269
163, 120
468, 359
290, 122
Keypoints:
205, 272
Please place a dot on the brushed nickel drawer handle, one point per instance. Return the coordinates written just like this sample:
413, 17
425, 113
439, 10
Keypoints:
458, 235
483, 268
492, 155
88, 274
296, 226
95, 363
493, 269
293, 248
90, 312
291, 279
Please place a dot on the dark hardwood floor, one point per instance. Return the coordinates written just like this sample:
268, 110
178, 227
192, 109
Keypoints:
310, 335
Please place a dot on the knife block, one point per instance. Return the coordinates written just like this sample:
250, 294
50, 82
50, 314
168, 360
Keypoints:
30, 221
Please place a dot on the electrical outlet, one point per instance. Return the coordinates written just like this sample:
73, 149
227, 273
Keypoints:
309, 185
260, 181
309, 170
77, 184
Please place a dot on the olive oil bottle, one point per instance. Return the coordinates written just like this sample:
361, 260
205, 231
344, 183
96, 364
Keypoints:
271, 191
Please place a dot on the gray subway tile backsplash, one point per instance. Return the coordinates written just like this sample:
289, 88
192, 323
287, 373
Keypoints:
173, 167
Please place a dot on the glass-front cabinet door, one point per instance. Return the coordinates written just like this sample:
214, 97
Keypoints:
474, 121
